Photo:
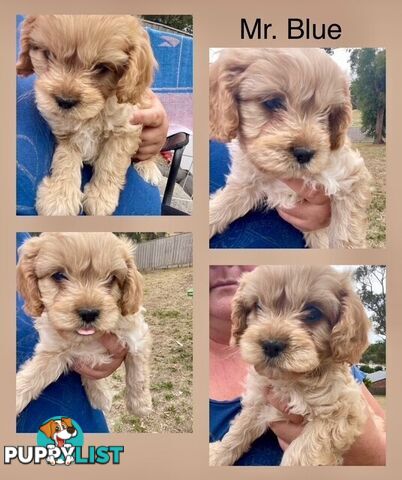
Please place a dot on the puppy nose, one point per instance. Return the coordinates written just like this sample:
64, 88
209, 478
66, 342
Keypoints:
303, 155
273, 348
70, 430
88, 315
66, 103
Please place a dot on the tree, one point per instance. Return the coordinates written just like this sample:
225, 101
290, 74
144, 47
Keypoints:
371, 286
368, 90
180, 22
376, 353
139, 237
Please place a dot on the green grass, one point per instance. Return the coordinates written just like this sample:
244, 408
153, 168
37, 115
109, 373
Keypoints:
169, 314
375, 158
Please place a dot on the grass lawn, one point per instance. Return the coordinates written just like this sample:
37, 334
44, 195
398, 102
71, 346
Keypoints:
169, 314
374, 156
356, 118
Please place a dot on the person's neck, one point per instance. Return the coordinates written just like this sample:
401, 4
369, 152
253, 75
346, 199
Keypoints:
227, 371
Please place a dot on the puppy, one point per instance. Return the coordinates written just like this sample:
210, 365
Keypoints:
288, 111
59, 431
93, 72
299, 328
79, 286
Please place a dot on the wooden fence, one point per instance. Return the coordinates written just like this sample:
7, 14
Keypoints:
167, 252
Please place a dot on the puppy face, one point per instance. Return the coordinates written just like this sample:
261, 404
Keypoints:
288, 107
59, 430
84, 281
293, 320
81, 60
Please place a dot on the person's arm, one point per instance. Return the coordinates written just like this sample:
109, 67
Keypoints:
155, 128
368, 449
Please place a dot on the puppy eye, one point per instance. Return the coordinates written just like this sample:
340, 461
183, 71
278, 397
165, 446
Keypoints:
258, 307
274, 104
111, 280
312, 314
47, 54
57, 428
102, 69
59, 277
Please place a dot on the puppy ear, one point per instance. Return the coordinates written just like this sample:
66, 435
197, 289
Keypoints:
27, 281
242, 305
67, 421
349, 337
224, 79
24, 64
139, 71
339, 119
48, 428
132, 288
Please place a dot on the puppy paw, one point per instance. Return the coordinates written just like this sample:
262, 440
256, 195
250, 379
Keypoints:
215, 228
20, 404
100, 200
98, 393
140, 407
218, 456
101, 402
58, 198
149, 171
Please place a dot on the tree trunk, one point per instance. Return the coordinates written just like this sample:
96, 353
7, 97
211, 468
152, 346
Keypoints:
379, 126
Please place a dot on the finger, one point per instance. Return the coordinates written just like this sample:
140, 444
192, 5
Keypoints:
87, 371
151, 136
314, 195
283, 407
298, 223
150, 117
113, 345
286, 431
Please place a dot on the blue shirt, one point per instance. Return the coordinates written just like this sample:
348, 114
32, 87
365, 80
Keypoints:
265, 450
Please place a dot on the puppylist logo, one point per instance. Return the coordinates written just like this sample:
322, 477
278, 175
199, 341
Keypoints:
60, 441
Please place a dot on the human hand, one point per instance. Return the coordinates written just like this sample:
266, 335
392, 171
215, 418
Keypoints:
103, 370
286, 430
155, 127
312, 212
368, 448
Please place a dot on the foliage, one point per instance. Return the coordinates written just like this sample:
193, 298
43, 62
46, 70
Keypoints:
367, 382
368, 89
371, 287
368, 369
376, 353
180, 22
139, 237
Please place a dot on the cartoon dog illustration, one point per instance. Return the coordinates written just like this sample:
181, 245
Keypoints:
59, 431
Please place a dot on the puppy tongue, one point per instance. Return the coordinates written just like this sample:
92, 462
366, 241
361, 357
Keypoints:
86, 331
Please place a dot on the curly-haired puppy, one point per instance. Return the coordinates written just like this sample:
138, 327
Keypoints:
289, 111
299, 328
93, 72
79, 286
